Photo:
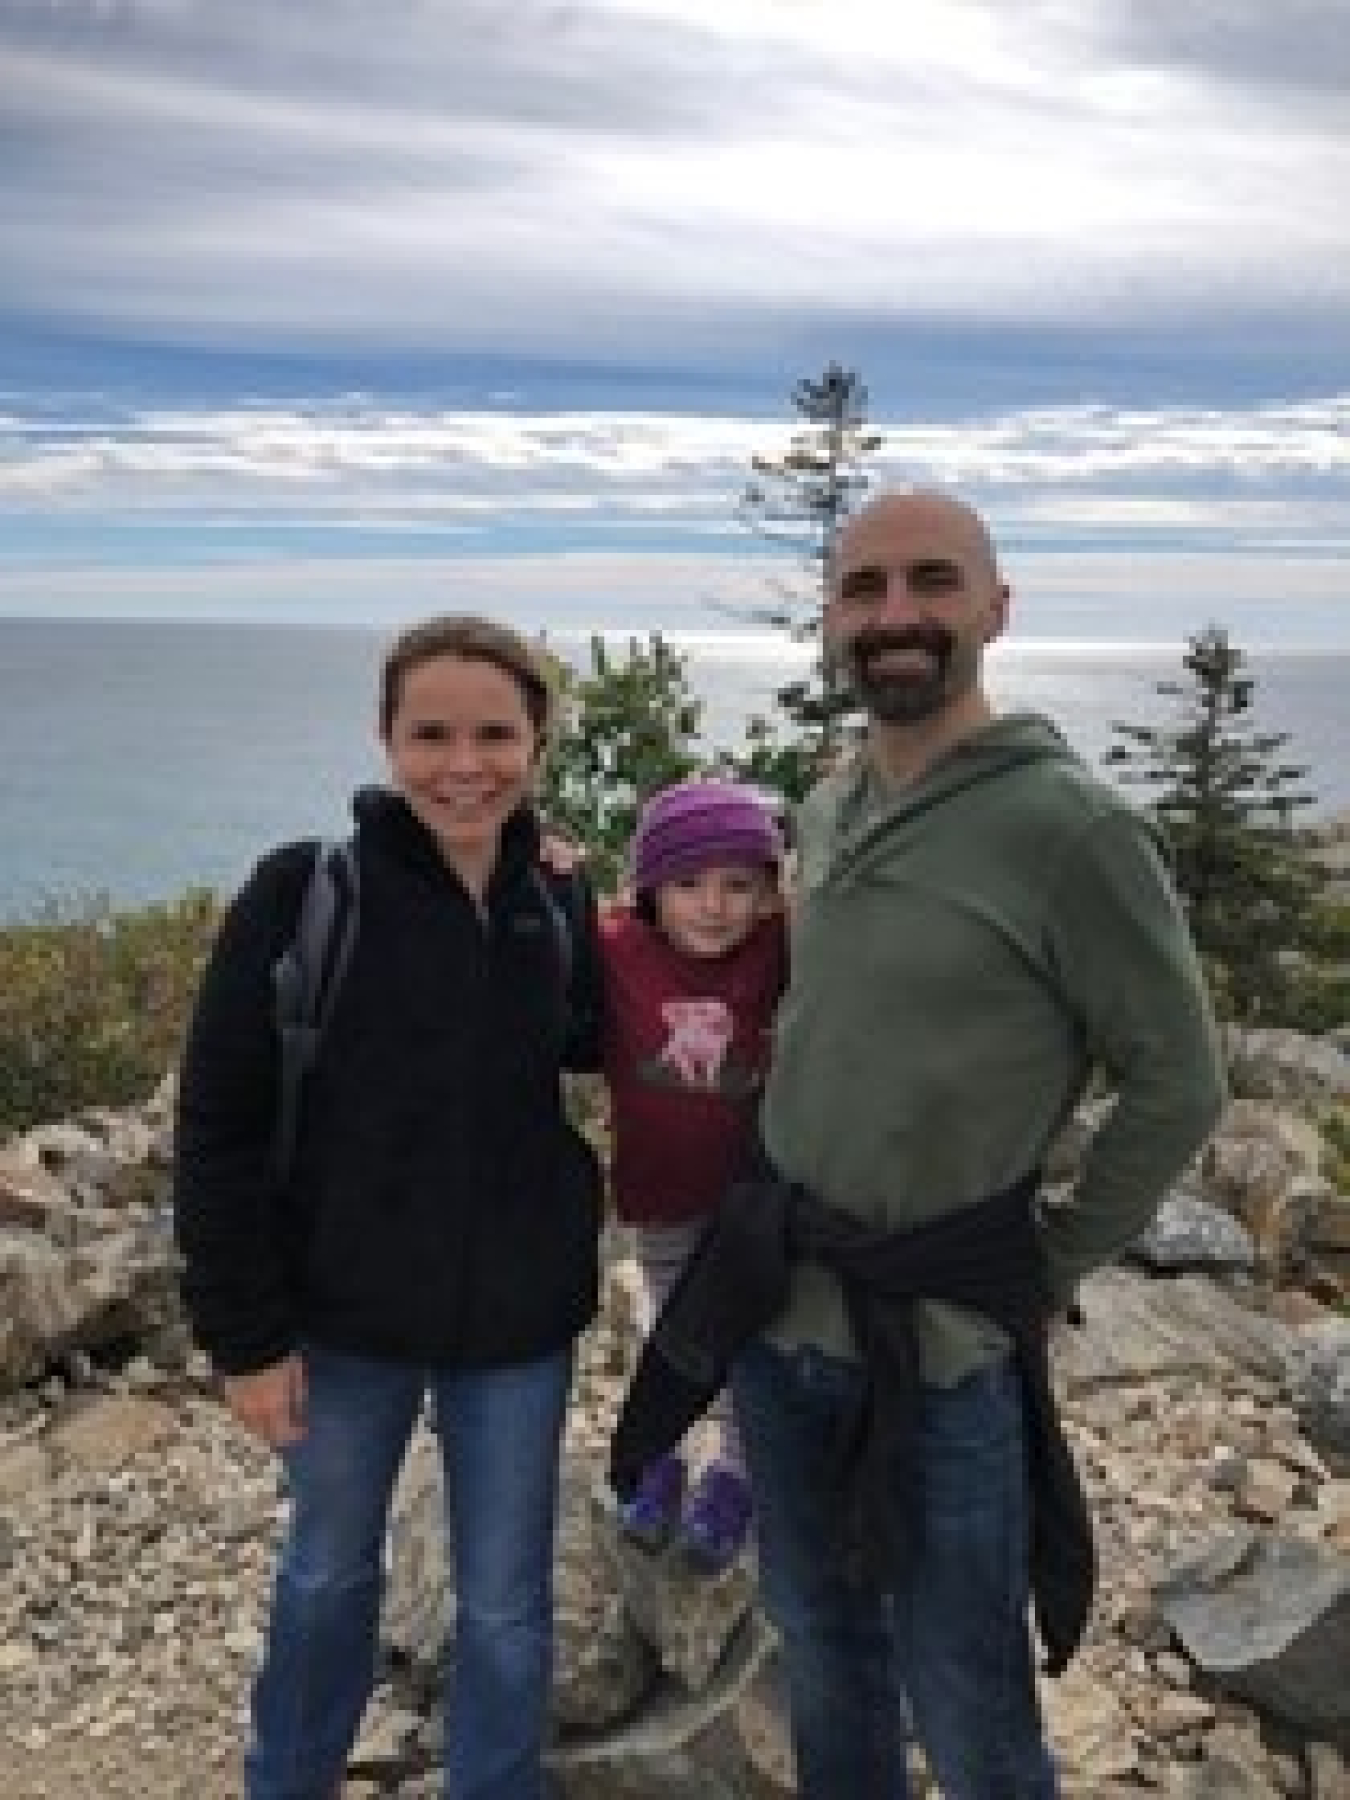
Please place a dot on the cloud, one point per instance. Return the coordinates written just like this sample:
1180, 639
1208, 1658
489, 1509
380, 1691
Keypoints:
1299, 51
614, 177
341, 458
352, 508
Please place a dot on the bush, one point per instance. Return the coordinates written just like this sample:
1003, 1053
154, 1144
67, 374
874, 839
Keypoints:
94, 1004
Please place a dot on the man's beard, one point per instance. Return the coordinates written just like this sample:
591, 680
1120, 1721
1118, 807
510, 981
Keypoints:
901, 696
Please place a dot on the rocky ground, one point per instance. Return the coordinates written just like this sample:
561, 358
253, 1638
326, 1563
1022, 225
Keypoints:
138, 1523
136, 1568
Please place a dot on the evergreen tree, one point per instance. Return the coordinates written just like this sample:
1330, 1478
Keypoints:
1226, 800
798, 501
626, 726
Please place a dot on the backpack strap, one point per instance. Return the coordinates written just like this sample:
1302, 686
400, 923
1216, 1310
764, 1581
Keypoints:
570, 908
560, 910
306, 980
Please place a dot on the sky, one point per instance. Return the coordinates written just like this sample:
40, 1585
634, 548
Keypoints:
348, 312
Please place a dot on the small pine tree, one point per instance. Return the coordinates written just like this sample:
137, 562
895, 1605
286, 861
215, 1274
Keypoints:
627, 726
799, 501
1226, 800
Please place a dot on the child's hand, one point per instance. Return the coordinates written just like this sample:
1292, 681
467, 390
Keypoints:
559, 853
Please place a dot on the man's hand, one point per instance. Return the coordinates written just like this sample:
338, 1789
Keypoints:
270, 1402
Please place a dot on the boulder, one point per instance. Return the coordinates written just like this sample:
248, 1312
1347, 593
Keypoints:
1267, 1617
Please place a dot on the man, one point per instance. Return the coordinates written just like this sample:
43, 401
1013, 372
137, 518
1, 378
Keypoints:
980, 925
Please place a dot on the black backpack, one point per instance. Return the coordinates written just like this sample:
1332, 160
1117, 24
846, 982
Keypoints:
308, 975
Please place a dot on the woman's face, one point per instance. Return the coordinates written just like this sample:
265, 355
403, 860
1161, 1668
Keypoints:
462, 750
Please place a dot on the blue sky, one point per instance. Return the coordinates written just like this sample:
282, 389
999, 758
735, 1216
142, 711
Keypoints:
350, 312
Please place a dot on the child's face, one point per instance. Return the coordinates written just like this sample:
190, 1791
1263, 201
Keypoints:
712, 912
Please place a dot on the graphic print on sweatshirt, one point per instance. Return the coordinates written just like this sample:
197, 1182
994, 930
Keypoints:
696, 1050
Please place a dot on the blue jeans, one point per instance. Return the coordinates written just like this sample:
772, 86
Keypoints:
951, 1652
500, 1434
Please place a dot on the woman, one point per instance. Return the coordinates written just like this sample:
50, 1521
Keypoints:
438, 1230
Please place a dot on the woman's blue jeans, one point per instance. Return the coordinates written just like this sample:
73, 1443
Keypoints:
500, 1432
950, 1653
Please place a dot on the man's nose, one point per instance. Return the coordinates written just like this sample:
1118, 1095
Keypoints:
900, 602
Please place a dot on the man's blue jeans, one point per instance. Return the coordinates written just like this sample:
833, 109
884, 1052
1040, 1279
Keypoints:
952, 1651
500, 1432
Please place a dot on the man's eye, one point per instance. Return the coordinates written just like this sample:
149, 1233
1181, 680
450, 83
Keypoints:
937, 577
862, 584
428, 733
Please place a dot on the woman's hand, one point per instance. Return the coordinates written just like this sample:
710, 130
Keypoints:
270, 1402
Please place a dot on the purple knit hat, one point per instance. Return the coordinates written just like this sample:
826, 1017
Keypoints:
696, 825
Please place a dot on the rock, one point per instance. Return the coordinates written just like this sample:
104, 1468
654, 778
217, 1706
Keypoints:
1219, 1778
1328, 1773
1094, 1732
1138, 1330
686, 1616
1268, 1617
1284, 1065
1319, 1367
761, 1724
138, 1522
1188, 1233
109, 1430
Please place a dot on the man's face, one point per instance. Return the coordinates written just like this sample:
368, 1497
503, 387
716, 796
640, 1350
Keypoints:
916, 597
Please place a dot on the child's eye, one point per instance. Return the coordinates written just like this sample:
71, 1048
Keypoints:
499, 733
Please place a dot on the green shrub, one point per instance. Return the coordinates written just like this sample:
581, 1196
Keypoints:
94, 1003
1334, 1123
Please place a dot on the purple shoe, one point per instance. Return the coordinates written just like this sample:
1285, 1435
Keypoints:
716, 1520
654, 1510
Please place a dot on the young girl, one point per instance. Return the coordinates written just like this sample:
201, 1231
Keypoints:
692, 971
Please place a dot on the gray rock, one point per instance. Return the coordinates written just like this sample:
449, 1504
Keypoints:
1268, 1618
1192, 1234
1319, 1374
687, 1616
1271, 1063
1136, 1329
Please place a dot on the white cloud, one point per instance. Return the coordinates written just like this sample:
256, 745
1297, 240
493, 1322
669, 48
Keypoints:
554, 177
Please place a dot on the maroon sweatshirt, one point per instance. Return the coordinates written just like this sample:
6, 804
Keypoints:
685, 1048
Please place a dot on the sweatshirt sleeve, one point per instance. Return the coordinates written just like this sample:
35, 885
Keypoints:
225, 1224
1126, 963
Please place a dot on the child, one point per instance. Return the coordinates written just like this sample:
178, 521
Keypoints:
693, 968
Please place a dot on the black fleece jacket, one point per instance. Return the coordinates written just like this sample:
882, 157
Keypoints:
441, 1209
987, 1257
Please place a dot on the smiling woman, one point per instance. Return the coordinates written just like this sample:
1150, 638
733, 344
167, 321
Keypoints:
464, 717
385, 1262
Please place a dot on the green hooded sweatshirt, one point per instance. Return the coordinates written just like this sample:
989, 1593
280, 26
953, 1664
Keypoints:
967, 950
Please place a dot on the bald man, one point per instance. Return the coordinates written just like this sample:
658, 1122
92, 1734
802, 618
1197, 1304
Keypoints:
981, 927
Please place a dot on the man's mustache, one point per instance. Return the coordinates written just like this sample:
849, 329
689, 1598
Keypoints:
932, 640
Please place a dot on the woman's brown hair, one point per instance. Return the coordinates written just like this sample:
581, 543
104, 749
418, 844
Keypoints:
472, 639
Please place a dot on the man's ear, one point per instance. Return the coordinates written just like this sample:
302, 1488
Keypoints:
996, 621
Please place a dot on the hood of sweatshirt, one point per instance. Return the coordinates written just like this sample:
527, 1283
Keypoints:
867, 806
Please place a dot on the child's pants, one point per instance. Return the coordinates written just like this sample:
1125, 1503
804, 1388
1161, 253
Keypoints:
662, 1251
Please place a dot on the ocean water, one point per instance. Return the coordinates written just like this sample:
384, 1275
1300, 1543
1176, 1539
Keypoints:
137, 760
